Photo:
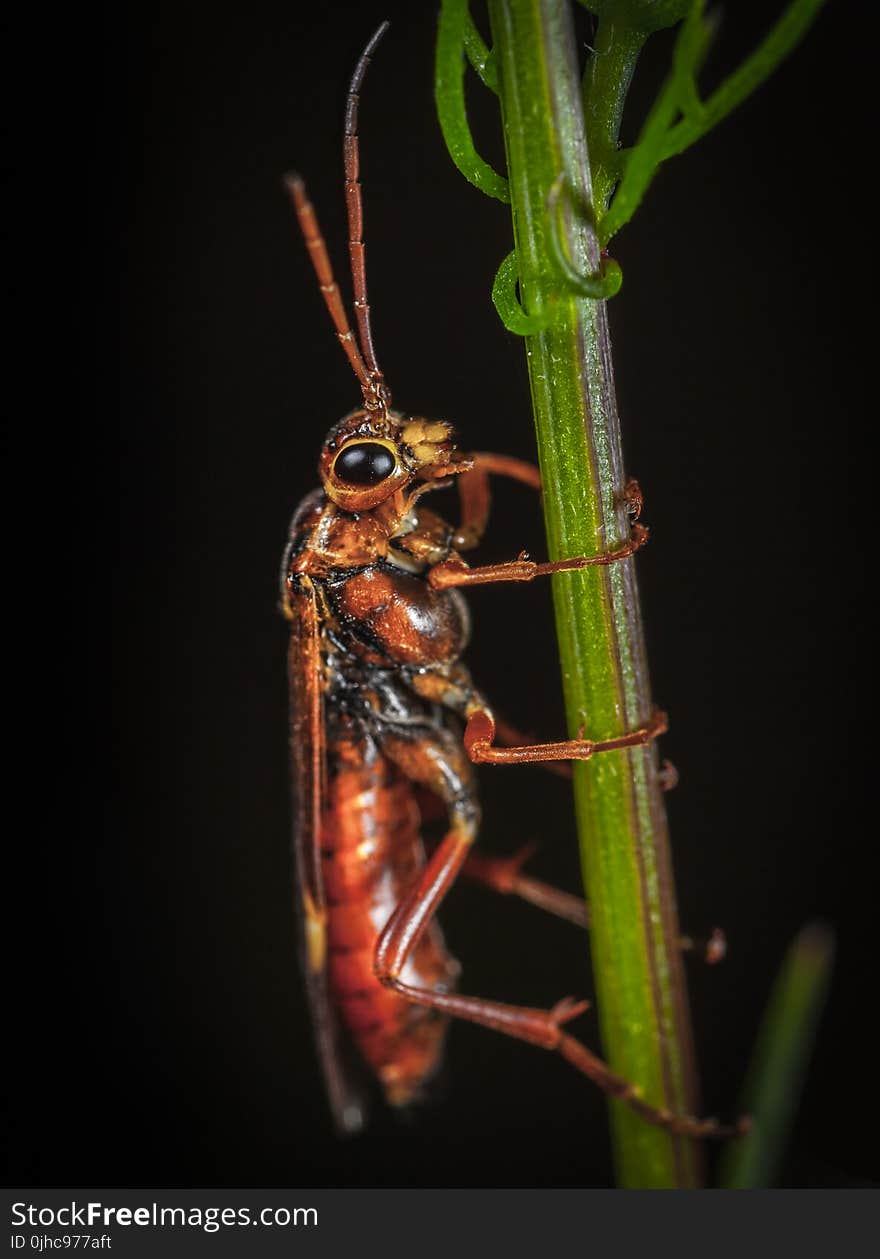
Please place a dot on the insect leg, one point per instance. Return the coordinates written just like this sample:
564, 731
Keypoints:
543, 1028
457, 573
473, 488
452, 686
509, 736
480, 733
475, 497
478, 740
504, 875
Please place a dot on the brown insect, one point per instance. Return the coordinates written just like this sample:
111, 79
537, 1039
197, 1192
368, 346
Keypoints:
385, 715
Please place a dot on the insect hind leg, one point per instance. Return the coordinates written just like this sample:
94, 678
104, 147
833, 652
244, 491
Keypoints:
435, 759
538, 1027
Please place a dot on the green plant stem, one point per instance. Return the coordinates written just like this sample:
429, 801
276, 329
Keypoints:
639, 980
779, 1062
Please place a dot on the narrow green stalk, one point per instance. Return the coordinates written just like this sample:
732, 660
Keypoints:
779, 1063
606, 83
455, 32
773, 48
480, 56
639, 164
640, 989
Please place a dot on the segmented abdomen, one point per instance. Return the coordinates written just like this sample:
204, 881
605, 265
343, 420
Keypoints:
371, 851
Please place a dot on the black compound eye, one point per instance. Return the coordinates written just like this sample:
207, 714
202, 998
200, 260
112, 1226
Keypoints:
364, 463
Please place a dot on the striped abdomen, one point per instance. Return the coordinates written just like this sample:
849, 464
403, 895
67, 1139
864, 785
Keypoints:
371, 851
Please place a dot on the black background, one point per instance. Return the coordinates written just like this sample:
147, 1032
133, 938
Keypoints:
185, 372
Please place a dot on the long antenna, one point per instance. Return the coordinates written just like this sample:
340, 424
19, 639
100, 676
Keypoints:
317, 248
354, 206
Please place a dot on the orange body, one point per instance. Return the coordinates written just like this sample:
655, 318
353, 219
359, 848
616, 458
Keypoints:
371, 851
377, 696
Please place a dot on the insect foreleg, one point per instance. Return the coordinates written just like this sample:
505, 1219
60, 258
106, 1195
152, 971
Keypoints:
458, 573
475, 497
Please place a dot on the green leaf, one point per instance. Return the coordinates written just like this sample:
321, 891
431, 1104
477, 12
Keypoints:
662, 136
779, 1063
774, 48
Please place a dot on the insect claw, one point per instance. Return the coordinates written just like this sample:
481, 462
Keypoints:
640, 535
567, 1009
632, 498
